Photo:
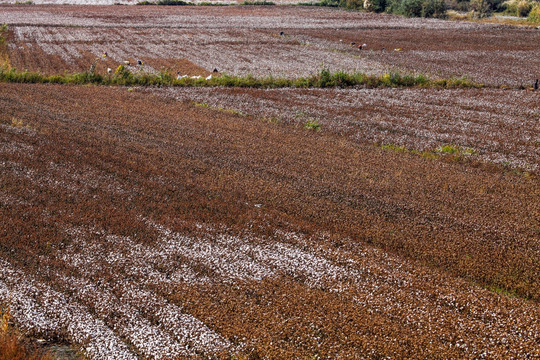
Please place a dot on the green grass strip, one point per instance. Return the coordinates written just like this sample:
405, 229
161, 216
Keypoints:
324, 79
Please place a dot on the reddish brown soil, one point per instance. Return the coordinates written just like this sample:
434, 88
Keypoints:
33, 58
102, 158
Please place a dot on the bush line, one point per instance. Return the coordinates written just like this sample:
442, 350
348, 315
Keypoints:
324, 79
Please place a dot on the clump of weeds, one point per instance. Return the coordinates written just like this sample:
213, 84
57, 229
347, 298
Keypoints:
312, 124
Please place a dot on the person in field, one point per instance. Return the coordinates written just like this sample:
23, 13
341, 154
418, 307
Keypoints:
535, 86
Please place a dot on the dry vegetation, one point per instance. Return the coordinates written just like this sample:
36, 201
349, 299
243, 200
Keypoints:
139, 225
195, 223
12, 345
11, 348
495, 126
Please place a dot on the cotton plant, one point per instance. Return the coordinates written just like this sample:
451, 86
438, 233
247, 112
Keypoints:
466, 118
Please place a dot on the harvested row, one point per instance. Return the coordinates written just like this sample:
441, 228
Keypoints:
254, 238
233, 51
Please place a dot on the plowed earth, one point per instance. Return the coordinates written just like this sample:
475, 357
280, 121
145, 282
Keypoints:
141, 226
244, 40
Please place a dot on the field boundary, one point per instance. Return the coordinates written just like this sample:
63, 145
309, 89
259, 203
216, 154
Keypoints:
324, 79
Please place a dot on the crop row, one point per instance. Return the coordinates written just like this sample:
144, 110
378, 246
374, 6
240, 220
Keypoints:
137, 225
495, 125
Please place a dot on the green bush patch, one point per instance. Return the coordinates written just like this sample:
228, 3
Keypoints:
325, 78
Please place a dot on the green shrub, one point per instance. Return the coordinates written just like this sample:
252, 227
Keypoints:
164, 76
375, 5
312, 125
3, 33
419, 8
455, 150
342, 79
325, 78
421, 80
411, 8
352, 4
448, 149
433, 8
518, 7
483, 8
523, 8
534, 14
459, 5
321, 80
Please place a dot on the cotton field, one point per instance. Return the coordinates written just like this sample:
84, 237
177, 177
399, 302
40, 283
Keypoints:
375, 220
496, 125
144, 233
247, 40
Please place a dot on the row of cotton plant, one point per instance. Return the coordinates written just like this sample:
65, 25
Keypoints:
416, 119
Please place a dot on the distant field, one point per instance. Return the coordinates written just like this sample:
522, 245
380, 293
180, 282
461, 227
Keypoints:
287, 223
246, 40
